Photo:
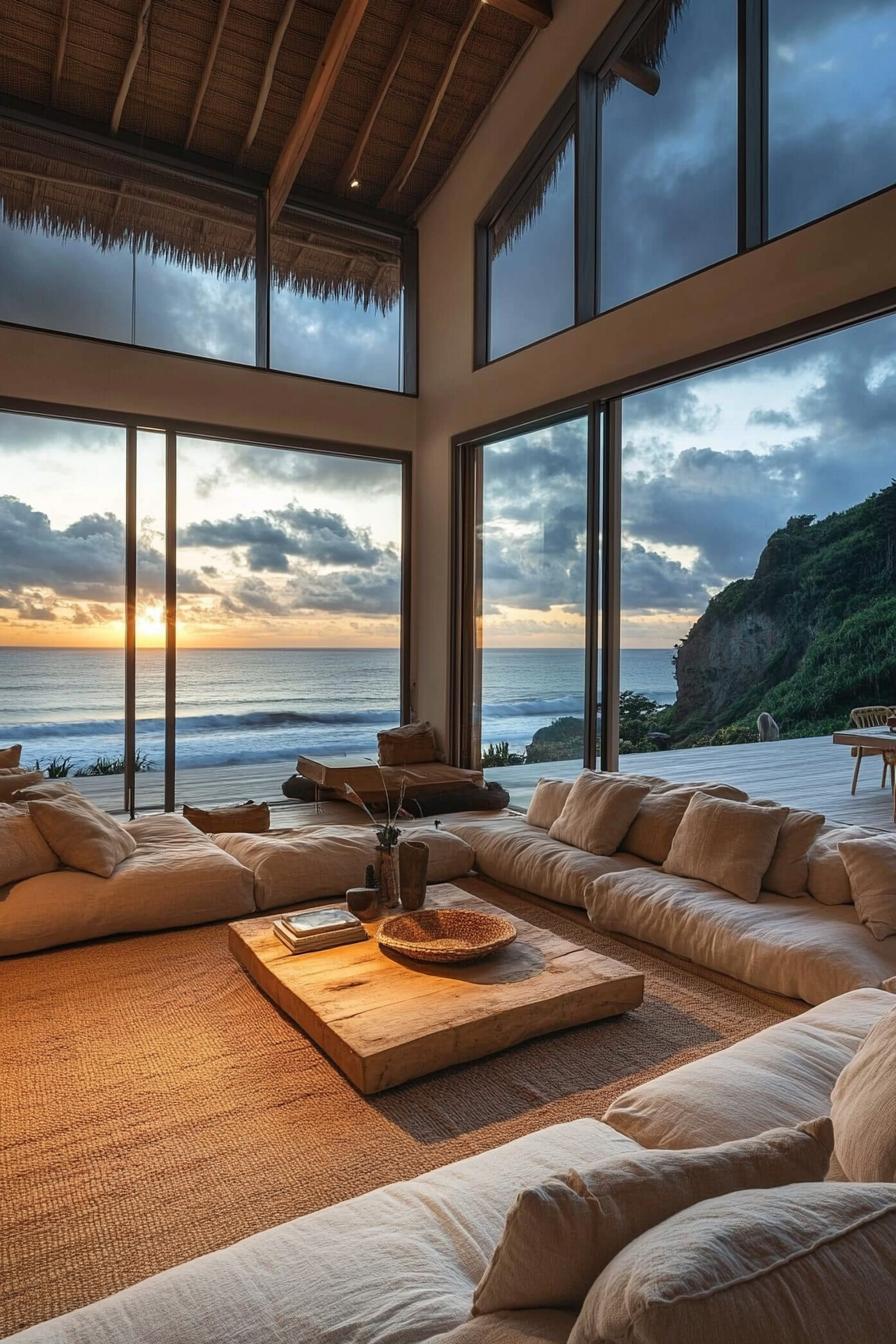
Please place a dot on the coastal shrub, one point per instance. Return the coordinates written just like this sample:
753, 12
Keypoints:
499, 753
57, 767
561, 740
112, 765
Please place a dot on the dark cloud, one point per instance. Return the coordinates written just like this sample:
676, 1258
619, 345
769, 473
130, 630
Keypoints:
318, 536
318, 472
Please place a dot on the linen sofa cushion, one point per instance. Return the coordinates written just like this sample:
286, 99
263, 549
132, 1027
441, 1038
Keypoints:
14, 778
548, 802
411, 744
727, 843
44, 788
787, 945
510, 851
175, 876
10, 757
828, 878
651, 833
313, 862
81, 834
863, 1107
871, 867
788, 872
599, 810
23, 850
561, 1234
396, 1266
802, 1264
780, 1076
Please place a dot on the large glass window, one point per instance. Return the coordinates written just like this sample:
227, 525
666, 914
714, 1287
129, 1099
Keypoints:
832, 105
531, 245
668, 161
336, 302
758, 545
531, 633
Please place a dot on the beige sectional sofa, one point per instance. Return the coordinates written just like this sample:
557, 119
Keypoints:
808, 947
399, 1265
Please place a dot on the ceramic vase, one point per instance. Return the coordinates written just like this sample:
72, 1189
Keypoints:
412, 876
388, 875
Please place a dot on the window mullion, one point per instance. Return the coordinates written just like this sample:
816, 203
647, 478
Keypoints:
752, 123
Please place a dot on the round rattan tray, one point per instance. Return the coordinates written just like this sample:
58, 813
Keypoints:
446, 935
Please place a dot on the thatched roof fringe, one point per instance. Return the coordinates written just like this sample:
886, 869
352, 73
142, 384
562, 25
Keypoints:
648, 48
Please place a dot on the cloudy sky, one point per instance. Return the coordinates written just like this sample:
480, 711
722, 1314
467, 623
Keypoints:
275, 548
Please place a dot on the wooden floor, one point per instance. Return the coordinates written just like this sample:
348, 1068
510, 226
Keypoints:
803, 772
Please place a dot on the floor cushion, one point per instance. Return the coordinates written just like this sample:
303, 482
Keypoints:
780, 1076
397, 1266
175, 876
512, 852
315, 862
787, 945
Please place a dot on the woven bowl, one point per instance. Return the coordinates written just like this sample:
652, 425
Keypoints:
446, 935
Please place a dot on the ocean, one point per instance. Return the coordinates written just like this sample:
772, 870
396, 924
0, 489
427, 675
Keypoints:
245, 705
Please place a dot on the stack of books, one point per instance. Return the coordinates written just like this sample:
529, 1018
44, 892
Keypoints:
313, 930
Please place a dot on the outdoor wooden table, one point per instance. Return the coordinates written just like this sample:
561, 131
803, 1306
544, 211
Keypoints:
869, 742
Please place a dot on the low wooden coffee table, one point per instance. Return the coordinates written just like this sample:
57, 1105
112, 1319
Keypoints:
383, 1019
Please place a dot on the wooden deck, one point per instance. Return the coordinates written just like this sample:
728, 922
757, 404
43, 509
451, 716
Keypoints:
803, 772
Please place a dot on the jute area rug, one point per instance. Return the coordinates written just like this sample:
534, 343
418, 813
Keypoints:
158, 1106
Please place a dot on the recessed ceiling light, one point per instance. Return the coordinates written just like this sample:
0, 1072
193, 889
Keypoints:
355, 183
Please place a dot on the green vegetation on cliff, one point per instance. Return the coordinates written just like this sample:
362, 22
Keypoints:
810, 636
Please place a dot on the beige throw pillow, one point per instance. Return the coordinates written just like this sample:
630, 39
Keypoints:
81, 834
728, 844
598, 812
788, 872
44, 788
828, 878
863, 1107
560, 1235
23, 850
651, 833
804, 1264
548, 802
10, 757
871, 867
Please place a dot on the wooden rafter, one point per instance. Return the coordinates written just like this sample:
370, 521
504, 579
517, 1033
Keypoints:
61, 43
350, 166
126, 79
267, 79
211, 56
644, 77
317, 95
435, 102
538, 13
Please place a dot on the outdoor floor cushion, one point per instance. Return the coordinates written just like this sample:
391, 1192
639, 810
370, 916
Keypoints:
175, 876
313, 862
783, 1075
511, 851
397, 1266
788, 945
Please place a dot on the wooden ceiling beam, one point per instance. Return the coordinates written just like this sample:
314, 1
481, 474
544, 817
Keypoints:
537, 13
643, 77
125, 87
61, 43
320, 87
267, 79
414, 149
211, 56
352, 163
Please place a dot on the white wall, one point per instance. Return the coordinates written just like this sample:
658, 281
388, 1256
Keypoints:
845, 257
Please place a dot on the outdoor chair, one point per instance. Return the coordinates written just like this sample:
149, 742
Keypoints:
873, 716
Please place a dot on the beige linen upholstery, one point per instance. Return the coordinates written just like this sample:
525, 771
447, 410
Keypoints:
510, 851
10, 757
513, 1327
599, 810
727, 843
13, 778
175, 876
863, 1107
780, 1076
651, 833
561, 1234
44, 788
397, 1266
81, 834
411, 744
548, 802
788, 945
871, 867
804, 1264
313, 862
23, 850
788, 872
828, 878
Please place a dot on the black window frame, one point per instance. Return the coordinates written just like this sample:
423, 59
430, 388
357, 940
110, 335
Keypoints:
582, 99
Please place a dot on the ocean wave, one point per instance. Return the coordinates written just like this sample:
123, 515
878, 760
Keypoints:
539, 706
196, 723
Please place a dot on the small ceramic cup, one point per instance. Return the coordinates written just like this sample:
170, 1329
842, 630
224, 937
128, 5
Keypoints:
365, 902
